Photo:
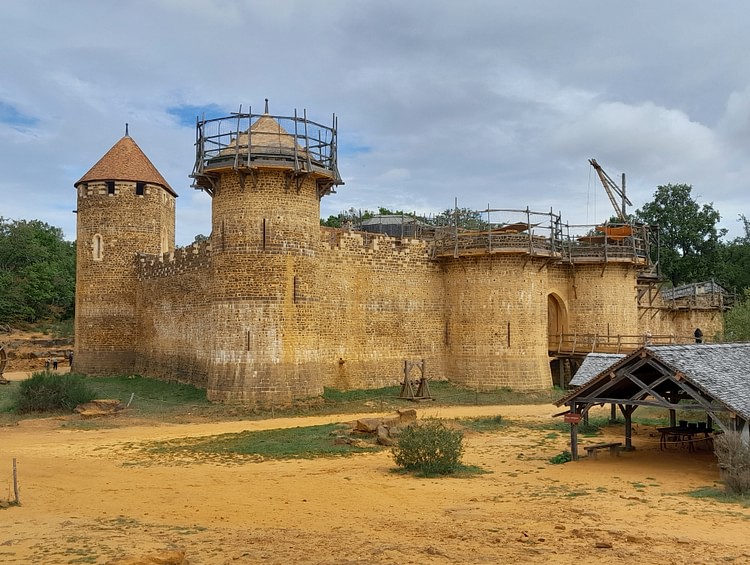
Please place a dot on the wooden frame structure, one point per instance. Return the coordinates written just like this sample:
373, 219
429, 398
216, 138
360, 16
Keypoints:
415, 389
244, 142
710, 379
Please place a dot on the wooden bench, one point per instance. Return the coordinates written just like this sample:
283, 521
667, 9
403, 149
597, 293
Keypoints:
614, 448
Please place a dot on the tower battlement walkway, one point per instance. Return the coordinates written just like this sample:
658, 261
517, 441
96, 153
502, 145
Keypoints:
245, 142
542, 234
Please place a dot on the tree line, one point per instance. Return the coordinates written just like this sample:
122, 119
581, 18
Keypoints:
37, 272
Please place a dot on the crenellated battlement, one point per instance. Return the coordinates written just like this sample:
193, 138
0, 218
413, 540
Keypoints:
342, 239
195, 256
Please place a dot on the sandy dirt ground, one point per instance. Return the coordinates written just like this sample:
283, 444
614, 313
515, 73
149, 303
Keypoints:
88, 497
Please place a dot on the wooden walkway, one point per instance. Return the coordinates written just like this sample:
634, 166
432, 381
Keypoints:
573, 345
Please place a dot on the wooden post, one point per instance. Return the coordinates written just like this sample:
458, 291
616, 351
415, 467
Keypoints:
672, 418
15, 482
613, 414
628, 412
574, 441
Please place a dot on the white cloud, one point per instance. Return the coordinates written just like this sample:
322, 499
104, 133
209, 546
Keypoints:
496, 102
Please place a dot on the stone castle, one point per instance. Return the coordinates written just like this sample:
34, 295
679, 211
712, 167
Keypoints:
272, 307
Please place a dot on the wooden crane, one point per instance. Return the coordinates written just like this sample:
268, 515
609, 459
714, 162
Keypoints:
612, 189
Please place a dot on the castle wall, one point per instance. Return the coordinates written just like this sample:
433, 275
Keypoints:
264, 289
602, 299
110, 229
496, 322
381, 304
173, 306
664, 319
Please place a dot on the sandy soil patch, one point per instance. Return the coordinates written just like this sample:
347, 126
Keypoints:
86, 499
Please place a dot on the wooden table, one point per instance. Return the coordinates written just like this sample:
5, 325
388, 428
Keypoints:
684, 436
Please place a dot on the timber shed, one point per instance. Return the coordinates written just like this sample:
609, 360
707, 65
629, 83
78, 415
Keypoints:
713, 379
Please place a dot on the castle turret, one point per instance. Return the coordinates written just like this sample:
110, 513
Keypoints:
124, 207
266, 175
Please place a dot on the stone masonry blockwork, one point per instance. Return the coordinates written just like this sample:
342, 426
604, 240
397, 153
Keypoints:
273, 307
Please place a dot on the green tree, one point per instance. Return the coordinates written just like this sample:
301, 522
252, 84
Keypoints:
734, 272
737, 320
351, 216
464, 217
689, 241
37, 272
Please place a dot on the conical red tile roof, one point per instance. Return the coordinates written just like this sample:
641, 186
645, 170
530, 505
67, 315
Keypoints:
126, 161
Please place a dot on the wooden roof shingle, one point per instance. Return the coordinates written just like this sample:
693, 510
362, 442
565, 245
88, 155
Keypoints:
593, 364
720, 370
125, 161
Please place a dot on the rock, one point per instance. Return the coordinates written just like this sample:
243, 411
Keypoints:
384, 436
175, 557
402, 418
97, 408
407, 416
603, 545
368, 425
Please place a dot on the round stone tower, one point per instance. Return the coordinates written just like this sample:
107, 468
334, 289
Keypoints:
266, 175
125, 207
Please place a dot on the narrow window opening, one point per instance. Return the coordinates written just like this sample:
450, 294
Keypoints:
97, 247
140, 188
294, 289
263, 235
110, 187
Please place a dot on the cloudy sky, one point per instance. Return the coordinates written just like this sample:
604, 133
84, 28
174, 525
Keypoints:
496, 102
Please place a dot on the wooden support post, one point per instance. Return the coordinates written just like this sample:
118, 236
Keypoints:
627, 411
628, 430
672, 418
15, 482
613, 414
574, 441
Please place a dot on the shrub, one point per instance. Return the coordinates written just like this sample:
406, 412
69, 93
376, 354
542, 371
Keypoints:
430, 448
45, 392
733, 454
561, 458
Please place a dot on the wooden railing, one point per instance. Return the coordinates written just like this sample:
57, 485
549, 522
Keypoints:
581, 344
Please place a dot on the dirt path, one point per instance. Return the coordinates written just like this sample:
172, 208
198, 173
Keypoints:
87, 499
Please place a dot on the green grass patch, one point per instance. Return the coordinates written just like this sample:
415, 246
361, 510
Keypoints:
176, 402
147, 390
719, 495
333, 395
8, 394
290, 443
484, 424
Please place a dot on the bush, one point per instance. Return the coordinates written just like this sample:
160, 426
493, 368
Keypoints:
429, 448
45, 392
561, 458
734, 461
